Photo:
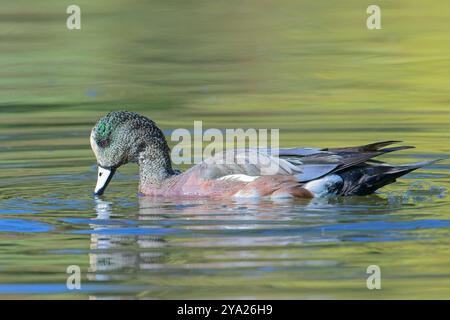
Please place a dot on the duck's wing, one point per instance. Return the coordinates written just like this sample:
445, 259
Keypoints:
331, 160
305, 164
251, 162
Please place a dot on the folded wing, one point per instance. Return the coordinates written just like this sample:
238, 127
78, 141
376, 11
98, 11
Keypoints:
305, 164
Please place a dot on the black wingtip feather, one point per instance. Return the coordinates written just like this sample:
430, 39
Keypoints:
393, 149
378, 145
372, 147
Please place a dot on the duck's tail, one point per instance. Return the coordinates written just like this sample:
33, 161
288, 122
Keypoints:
366, 178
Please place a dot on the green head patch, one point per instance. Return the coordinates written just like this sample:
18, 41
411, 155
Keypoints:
103, 133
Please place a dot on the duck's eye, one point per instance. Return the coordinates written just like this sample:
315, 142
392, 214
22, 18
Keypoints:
100, 174
103, 143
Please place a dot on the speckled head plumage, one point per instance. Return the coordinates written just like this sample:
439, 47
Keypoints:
121, 137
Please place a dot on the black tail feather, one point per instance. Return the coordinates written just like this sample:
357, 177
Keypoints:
367, 178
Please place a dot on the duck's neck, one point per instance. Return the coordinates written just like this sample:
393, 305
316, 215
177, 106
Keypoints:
154, 167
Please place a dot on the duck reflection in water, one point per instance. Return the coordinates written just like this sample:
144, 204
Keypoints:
152, 239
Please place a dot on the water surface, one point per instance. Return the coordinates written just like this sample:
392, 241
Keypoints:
309, 68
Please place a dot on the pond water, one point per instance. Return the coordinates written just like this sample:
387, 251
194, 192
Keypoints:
311, 69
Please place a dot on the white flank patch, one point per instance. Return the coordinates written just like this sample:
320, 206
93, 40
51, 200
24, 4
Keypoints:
247, 195
320, 187
239, 177
280, 196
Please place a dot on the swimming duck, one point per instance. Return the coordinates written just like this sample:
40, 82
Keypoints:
121, 137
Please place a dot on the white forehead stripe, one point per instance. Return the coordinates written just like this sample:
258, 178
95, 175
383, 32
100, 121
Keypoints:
94, 146
239, 177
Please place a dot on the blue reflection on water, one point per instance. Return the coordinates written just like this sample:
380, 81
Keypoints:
389, 225
129, 231
19, 225
49, 288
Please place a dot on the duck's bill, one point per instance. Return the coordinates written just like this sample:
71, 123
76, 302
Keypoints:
103, 178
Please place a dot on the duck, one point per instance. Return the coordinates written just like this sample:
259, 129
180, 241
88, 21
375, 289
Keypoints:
122, 137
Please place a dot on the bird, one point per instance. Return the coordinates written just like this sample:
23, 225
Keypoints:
122, 137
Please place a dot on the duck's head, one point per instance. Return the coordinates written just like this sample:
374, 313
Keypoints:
121, 137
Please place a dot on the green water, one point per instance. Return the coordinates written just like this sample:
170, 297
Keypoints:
310, 68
